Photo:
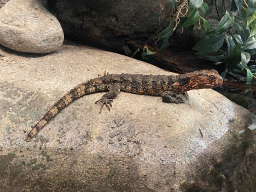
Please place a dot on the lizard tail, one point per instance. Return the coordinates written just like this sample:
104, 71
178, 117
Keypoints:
92, 86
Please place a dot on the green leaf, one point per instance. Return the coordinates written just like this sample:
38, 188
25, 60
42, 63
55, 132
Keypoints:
212, 44
164, 45
219, 7
244, 13
206, 54
253, 27
251, 22
182, 20
174, 5
230, 44
206, 25
245, 58
235, 58
147, 54
250, 18
145, 57
252, 3
147, 51
205, 9
194, 5
249, 76
250, 46
239, 4
217, 57
236, 53
249, 11
137, 50
187, 30
127, 50
167, 32
224, 73
191, 20
238, 39
242, 30
211, 33
225, 23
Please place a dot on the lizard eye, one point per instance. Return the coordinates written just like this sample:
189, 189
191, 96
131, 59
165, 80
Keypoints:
212, 78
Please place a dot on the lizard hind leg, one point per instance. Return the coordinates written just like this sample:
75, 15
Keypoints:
107, 98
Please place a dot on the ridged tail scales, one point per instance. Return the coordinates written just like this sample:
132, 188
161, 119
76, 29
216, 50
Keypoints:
91, 86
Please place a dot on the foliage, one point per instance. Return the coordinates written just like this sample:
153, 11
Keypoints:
231, 43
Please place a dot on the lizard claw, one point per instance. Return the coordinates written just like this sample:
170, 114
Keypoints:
105, 73
104, 101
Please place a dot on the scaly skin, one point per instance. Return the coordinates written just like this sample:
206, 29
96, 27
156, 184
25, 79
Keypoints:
154, 85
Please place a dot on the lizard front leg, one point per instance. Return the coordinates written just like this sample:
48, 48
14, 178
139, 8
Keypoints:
107, 98
172, 97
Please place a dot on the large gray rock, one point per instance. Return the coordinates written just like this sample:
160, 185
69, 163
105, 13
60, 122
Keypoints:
26, 26
142, 144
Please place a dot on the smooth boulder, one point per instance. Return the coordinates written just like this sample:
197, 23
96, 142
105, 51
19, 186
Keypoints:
26, 26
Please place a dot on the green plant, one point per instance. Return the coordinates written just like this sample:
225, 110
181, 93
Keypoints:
231, 43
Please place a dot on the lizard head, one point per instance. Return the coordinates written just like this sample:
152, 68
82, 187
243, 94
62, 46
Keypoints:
197, 80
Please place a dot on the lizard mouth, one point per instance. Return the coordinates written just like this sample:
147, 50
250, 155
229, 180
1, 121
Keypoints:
216, 84
219, 82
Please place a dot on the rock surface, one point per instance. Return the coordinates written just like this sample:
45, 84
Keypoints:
26, 26
142, 144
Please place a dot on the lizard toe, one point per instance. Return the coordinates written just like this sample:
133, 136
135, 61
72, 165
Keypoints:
104, 101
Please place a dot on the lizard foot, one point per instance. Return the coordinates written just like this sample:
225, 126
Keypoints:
172, 97
104, 101
104, 74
